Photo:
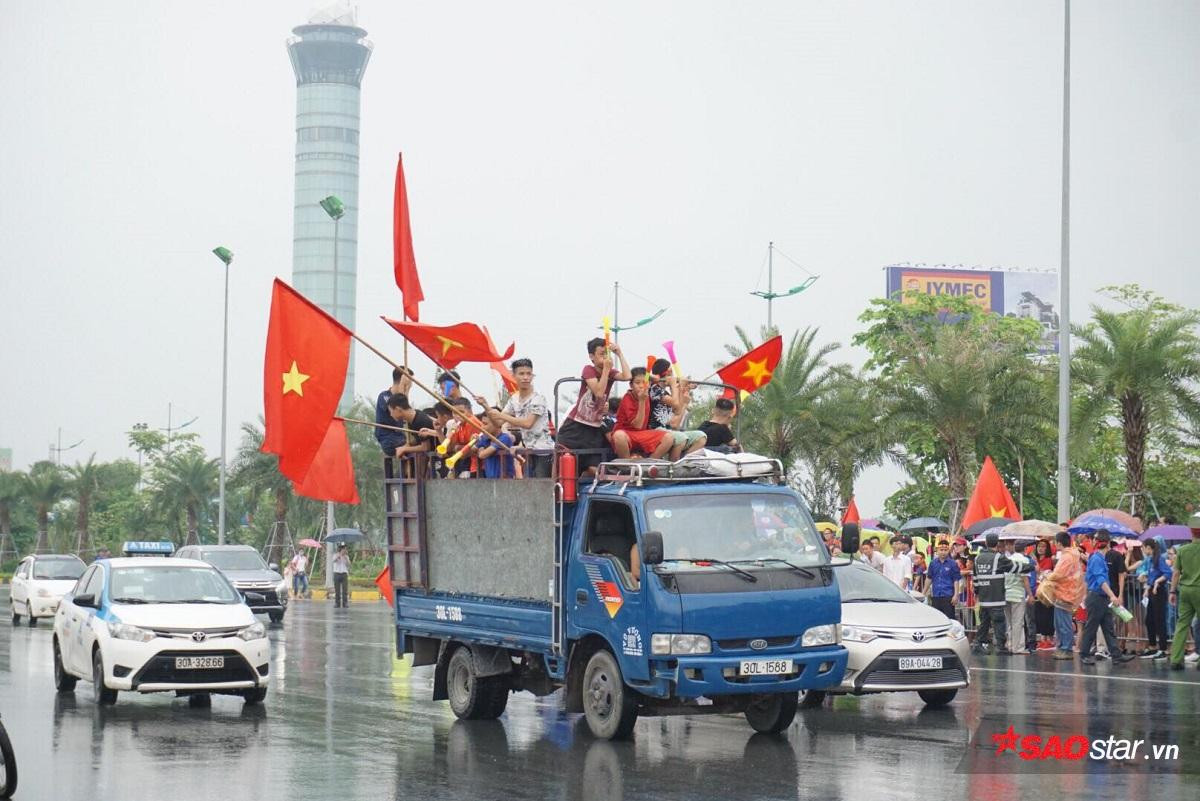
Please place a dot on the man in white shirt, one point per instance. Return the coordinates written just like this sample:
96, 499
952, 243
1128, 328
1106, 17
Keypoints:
868, 554
898, 567
528, 411
341, 577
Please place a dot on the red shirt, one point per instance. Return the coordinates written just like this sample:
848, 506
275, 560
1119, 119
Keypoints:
628, 410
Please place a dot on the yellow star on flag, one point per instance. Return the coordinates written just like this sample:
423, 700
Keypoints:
995, 511
293, 381
448, 343
757, 372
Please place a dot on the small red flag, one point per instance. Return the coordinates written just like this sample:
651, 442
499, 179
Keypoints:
990, 498
851, 514
405, 263
510, 380
303, 374
448, 345
330, 477
384, 582
754, 370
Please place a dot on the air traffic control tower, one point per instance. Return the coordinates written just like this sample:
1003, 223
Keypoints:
329, 56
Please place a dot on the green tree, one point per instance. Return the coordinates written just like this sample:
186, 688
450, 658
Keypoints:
1138, 367
11, 493
83, 482
185, 482
950, 377
44, 487
258, 473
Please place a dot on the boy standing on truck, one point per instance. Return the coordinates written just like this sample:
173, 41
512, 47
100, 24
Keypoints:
582, 430
388, 439
633, 430
527, 410
404, 414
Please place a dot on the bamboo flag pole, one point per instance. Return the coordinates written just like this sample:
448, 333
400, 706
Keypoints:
466, 418
377, 425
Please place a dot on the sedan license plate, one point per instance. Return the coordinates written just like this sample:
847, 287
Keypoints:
199, 662
920, 663
764, 667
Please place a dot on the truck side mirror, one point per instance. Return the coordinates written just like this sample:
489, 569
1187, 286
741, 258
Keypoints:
652, 548
850, 538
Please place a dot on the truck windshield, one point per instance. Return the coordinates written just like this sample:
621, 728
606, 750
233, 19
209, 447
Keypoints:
735, 527
234, 560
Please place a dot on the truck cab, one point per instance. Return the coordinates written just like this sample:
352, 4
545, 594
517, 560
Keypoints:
665, 588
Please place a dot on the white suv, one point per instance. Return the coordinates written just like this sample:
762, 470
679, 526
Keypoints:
159, 624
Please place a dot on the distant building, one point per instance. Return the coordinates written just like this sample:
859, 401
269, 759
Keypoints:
1031, 307
5, 459
329, 56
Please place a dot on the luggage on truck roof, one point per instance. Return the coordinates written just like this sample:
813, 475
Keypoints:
703, 465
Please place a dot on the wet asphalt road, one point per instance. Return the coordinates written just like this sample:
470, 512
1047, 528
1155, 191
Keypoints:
346, 720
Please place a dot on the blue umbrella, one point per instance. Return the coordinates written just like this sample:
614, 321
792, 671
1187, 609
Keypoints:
1091, 522
924, 523
346, 535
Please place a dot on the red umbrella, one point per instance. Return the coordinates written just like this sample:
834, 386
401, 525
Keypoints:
309, 543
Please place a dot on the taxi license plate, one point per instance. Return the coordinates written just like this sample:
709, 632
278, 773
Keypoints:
764, 667
199, 662
920, 663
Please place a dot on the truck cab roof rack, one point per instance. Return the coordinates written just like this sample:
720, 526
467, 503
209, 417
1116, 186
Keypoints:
709, 467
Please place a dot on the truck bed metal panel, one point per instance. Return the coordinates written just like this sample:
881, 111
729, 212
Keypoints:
521, 625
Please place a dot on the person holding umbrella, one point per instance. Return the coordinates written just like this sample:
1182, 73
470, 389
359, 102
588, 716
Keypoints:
341, 577
1100, 601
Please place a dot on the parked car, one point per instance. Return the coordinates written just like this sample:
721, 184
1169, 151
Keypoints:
40, 582
896, 643
159, 624
242, 565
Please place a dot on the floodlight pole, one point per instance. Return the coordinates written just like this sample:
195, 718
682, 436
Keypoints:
1064, 288
225, 256
334, 208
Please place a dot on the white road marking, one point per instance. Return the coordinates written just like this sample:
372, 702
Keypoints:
1084, 675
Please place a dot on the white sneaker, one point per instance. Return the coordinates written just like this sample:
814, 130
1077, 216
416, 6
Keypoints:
1194, 656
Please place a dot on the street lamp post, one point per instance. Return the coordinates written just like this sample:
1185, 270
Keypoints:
334, 207
225, 256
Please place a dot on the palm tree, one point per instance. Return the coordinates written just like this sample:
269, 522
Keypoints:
44, 487
782, 416
258, 473
185, 481
83, 484
11, 492
1139, 367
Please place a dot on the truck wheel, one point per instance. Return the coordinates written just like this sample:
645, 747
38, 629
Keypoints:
472, 697
104, 696
64, 682
937, 697
771, 714
811, 699
610, 707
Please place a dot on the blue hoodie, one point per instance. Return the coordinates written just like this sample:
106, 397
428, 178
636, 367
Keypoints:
1158, 566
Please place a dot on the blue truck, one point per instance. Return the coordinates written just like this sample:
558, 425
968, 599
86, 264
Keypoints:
656, 588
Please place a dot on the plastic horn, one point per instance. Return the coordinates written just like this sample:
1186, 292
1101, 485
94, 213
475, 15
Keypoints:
443, 446
607, 324
669, 345
650, 360
453, 460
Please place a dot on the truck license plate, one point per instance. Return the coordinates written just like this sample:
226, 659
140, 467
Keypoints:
920, 663
199, 662
764, 667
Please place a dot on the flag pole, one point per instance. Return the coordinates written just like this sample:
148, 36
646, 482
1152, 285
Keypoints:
377, 425
459, 413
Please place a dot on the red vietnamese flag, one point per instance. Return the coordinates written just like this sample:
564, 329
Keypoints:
448, 345
990, 498
330, 477
384, 582
851, 514
303, 374
403, 260
754, 370
510, 380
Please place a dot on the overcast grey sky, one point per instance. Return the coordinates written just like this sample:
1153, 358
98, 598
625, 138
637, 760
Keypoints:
552, 148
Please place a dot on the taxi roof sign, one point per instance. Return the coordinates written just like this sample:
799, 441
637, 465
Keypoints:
148, 548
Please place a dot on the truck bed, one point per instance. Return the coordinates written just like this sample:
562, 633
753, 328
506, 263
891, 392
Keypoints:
517, 624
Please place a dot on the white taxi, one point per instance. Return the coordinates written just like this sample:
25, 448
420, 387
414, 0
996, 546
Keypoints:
40, 582
157, 624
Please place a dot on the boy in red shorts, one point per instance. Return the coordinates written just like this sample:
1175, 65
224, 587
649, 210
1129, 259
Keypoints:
632, 432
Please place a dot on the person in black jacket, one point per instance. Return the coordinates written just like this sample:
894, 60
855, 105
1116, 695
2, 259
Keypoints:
990, 568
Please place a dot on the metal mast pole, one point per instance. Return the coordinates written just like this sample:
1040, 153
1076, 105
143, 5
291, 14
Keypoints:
224, 412
1064, 288
770, 281
616, 310
329, 518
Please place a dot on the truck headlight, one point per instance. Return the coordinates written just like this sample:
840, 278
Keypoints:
124, 631
820, 635
855, 634
255, 631
957, 632
666, 644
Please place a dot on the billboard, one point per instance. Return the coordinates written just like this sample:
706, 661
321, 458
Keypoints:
1028, 295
